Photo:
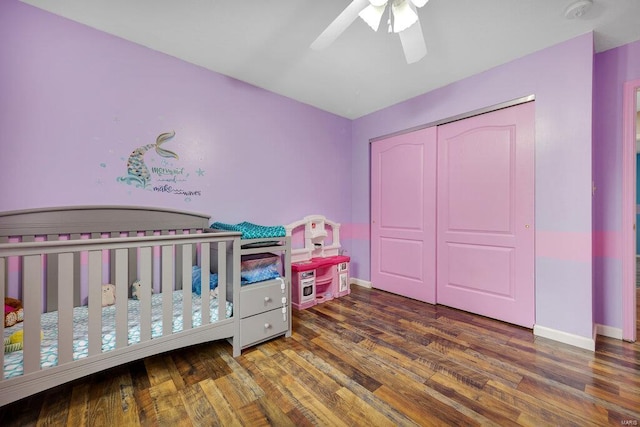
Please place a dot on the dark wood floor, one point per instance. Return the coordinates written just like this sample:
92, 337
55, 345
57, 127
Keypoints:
370, 358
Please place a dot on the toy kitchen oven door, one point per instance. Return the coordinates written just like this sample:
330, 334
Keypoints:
304, 289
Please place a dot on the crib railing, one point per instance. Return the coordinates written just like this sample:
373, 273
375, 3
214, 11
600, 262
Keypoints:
174, 249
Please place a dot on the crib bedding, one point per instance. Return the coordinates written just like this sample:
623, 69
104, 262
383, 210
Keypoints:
13, 360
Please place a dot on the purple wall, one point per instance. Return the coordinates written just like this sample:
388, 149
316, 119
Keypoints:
612, 69
561, 79
76, 102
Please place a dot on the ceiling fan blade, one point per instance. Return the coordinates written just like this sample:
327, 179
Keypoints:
340, 24
413, 43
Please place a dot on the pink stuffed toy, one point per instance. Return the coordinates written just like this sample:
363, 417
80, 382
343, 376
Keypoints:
13, 312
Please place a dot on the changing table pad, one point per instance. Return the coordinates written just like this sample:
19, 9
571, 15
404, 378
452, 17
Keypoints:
252, 231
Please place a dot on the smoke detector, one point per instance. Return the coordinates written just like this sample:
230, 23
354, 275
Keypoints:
577, 9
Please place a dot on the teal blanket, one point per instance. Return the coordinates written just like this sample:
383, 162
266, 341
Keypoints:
252, 231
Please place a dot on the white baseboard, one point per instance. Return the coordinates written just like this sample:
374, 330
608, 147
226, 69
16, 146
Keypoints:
609, 331
360, 282
565, 337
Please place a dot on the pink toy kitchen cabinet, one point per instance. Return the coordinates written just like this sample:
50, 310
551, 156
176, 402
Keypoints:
320, 272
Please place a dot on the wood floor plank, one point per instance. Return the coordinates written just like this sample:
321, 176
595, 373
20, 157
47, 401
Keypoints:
55, 410
146, 407
356, 388
237, 392
157, 371
198, 408
420, 411
212, 362
359, 412
269, 387
225, 415
128, 413
402, 387
313, 408
78, 405
531, 408
474, 399
343, 367
168, 404
268, 411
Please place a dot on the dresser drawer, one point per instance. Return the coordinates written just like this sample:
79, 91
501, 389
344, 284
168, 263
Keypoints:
262, 327
261, 297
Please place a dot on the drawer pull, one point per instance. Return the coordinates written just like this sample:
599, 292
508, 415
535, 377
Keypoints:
267, 325
267, 299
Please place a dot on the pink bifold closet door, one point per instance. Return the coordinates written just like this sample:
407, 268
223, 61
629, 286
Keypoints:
485, 215
403, 214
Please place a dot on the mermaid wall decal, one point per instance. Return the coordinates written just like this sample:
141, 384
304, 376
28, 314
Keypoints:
137, 171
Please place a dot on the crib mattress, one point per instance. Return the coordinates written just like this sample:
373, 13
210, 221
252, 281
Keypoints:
49, 321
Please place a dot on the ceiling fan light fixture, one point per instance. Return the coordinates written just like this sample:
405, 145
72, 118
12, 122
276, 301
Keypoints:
378, 3
372, 15
403, 16
419, 3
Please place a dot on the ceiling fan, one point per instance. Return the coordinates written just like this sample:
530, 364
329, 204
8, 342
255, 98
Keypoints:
403, 19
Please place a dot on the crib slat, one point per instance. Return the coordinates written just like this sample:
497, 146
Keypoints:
145, 289
77, 278
222, 280
112, 256
205, 312
121, 276
95, 302
64, 267
32, 295
186, 286
178, 264
52, 277
133, 261
167, 288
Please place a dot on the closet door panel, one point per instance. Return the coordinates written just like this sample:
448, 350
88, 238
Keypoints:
403, 190
486, 215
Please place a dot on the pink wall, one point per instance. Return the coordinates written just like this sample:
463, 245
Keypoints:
561, 78
76, 102
612, 69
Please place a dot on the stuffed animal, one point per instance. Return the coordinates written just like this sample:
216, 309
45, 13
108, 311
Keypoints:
108, 294
15, 341
136, 292
13, 312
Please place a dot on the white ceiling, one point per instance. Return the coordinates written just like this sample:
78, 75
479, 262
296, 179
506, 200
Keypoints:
266, 42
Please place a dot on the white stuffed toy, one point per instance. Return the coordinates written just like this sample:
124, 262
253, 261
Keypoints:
108, 294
